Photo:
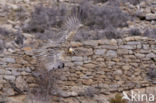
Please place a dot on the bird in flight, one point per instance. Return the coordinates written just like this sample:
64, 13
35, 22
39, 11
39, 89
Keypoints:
54, 59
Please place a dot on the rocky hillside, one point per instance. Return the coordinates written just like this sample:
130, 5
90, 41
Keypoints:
32, 22
113, 49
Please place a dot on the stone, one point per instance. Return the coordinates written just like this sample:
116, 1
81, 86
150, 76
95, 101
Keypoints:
9, 77
140, 38
112, 47
18, 99
129, 39
13, 6
139, 46
140, 55
67, 94
2, 71
21, 83
9, 60
150, 16
151, 55
76, 44
69, 100
100, 51
122, 51
99, 59
105, 41
119, 42
3, 2
9, 91
153, 47
127, 46
24, 73
69, 64
90, 43
133, 43
83, 51
78, 63
118, 72
27, 48
87, 82
8, 72
28, 70
146, 46
111, 53
88, 101
87, 60
140, 14
89, 65
113, 42
126, 67
144, 51
151, 90
77, 58
101, 98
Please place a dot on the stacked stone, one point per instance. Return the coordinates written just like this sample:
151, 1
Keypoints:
96, 68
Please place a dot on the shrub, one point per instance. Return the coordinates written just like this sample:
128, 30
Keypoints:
134, 32
19, 38
117, 99
134, 2
151, 73
100, 1
102, 16
2, 45
150, 33
85, 34
46, 85
110, 33
106, 17
45, 17
4, 32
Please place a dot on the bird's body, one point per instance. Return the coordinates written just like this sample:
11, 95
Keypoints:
54, 59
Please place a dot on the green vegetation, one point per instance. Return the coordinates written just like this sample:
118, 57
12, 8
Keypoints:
118, 99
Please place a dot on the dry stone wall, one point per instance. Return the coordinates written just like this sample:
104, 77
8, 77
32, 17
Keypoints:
96, 68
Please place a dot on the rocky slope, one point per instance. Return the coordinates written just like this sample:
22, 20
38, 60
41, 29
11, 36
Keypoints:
115, 39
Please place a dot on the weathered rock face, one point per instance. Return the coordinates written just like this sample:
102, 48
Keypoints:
95, 69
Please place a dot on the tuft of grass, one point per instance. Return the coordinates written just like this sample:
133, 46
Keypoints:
118, 99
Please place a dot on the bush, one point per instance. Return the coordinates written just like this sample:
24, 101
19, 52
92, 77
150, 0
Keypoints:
134, 32
45, 17
150, 33
4, 32
151, 73
110, 33
46, 85
134, 2
85, 34
117, 99
102, 16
